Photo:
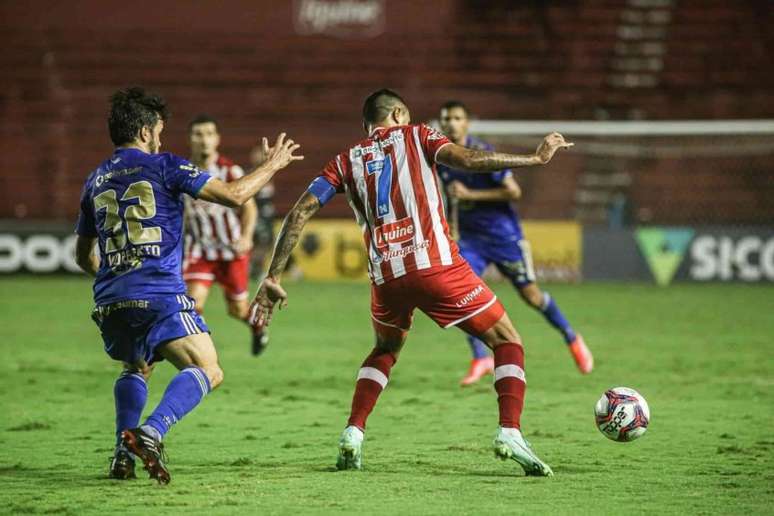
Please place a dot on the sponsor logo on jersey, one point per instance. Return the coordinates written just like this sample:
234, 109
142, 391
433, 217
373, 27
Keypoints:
394, 232
132, 258
401, 253
107, 176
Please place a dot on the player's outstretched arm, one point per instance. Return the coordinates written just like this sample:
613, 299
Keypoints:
85, 256
270, 293
475, 160
236, 193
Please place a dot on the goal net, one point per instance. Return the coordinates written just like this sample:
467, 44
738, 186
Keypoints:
627, 173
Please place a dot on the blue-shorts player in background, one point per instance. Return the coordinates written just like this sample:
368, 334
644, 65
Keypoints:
490, 233
132, 207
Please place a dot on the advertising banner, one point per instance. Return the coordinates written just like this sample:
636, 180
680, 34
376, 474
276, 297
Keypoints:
329, 249
666, 254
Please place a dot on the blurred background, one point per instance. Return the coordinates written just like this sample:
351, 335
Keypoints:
670, 103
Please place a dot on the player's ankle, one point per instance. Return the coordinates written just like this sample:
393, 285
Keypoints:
150, 430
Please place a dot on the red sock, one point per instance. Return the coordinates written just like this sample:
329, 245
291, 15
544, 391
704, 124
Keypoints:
371, 381
510, 383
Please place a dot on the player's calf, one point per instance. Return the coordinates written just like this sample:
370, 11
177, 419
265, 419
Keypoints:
240, 309
197, 351
372, 379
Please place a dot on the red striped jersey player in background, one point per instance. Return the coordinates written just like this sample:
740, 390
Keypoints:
219, 239
390, 182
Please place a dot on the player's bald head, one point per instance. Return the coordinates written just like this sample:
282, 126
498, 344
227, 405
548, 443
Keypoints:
380, 104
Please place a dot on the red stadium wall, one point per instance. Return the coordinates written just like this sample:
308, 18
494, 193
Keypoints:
248, 64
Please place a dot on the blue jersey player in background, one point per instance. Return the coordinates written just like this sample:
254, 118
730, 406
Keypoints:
490, 233
132, 208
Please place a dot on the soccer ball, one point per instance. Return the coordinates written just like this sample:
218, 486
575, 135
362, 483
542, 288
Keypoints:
622, 414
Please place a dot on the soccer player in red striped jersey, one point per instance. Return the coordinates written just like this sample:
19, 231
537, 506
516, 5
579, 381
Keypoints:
218, 238
390, 182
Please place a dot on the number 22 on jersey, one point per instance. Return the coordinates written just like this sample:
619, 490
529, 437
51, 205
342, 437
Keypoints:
130, 218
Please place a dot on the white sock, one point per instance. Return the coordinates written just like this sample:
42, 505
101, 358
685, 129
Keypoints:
511, 432
357, 431
151, 431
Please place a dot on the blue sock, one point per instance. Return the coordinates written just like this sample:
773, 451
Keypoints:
183, 393
477, 347
556, 319
131, 393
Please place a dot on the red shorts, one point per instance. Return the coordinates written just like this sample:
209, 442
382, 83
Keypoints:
450, 296
232, 275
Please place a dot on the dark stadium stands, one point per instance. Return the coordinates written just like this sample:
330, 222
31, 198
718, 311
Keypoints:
243, 63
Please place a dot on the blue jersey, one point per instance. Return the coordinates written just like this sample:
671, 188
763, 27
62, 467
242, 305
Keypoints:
133, 205
487, 220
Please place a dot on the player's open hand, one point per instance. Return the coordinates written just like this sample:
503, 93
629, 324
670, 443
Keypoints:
269, 294
281, 154
550, 144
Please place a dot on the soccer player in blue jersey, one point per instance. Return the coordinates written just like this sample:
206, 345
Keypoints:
490, 233
132, 207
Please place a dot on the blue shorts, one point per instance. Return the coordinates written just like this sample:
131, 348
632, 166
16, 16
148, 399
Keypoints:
132, 330
512, 258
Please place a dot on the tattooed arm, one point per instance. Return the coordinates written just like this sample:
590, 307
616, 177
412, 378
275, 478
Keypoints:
270, 293
474, 160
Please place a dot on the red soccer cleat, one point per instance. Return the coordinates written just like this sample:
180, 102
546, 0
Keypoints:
479, 367
583, 357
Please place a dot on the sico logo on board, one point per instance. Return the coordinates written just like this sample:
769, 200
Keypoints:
733, 255
749, 258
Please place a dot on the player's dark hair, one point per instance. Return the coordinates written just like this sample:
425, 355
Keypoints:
379, 104
202, 118
131, 110
451, 104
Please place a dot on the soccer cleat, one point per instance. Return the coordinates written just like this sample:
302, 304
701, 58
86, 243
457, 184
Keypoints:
149, 450
581, 354
260, 341
350, 449
479, 367
121, 465
509, 444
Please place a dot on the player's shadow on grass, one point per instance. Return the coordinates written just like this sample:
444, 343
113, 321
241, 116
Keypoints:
63, 476
423, 469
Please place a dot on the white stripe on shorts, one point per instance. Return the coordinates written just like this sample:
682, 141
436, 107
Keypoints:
371, 373
186, 323
509, 370
192, 323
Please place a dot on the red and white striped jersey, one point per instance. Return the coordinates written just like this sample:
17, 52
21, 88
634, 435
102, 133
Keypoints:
212, 229
391, 185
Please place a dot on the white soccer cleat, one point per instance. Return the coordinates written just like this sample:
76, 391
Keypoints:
509, 444
350, 449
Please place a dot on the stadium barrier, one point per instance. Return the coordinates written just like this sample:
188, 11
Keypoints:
330, 249
666, 254
563, 251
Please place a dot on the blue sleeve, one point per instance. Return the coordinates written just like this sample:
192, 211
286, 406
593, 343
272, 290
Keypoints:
86, 225
322, 189
182, 176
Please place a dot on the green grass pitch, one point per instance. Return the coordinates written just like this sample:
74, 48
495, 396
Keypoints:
265, 443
